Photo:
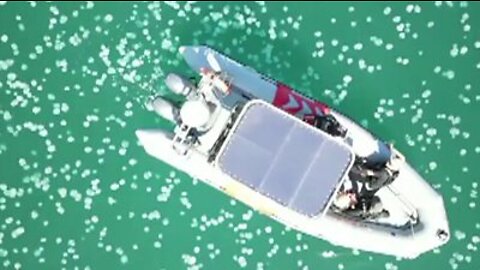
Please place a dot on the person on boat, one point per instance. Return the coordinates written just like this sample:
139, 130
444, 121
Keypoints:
345, 200
349, 202
367, 179
327, 123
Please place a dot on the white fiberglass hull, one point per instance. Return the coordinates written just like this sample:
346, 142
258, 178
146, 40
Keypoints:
406, 243
408, 191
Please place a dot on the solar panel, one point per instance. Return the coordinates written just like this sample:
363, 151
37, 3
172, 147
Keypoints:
284, 158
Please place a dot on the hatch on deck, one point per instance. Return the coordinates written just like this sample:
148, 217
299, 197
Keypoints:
284, 158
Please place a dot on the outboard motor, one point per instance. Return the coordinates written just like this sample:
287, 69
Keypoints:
178, 84
165, 109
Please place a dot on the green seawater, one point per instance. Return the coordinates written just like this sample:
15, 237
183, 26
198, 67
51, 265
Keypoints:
77, 191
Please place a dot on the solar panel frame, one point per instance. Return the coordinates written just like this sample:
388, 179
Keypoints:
250, 155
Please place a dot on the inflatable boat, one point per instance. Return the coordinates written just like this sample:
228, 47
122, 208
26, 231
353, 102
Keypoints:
294, 159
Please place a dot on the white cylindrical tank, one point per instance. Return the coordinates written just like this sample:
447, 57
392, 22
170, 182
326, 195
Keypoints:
196, 114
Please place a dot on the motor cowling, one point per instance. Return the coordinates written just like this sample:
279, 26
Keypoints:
178, 84
165, 109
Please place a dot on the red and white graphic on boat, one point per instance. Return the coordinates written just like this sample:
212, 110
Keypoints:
294, 103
